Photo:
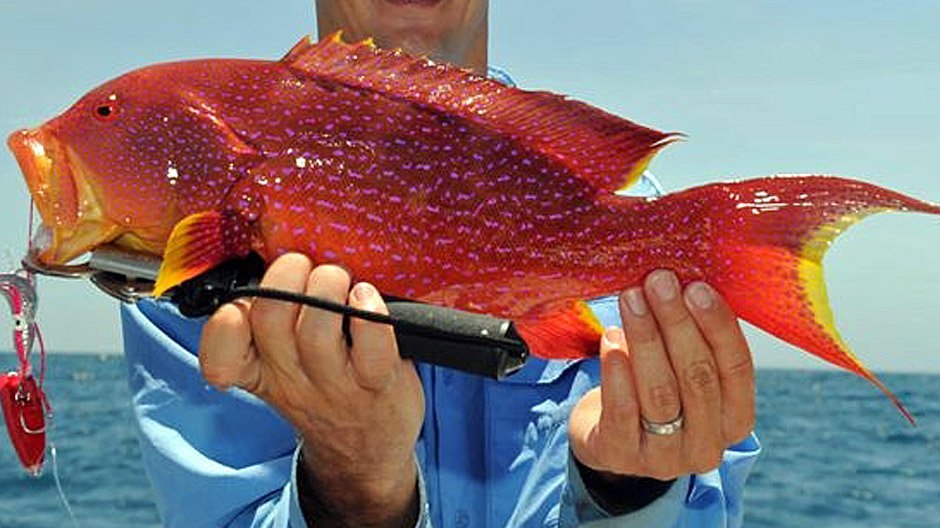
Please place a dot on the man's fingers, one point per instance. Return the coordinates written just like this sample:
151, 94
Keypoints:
374, 352
227, 356
656, 386
694, 367
657, 389
272, 322
320, 340
720, 328
683, 353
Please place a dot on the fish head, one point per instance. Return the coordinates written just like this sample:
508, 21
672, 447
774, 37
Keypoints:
126, 162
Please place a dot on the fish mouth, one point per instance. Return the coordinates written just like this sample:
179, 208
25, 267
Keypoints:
72, 219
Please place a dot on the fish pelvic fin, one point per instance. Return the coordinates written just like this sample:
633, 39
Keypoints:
769, 236
565, 330
606, 151
200, 242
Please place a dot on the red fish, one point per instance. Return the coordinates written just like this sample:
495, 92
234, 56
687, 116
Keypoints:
432, 183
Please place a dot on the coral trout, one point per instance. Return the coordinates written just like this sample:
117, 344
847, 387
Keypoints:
432, 183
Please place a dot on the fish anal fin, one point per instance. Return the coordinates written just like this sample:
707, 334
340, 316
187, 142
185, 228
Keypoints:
566, 330
606, 151
200, 242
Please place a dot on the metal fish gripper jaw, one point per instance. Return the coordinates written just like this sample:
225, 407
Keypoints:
124, 275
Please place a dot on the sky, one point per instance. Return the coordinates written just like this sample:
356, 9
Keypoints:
844, 87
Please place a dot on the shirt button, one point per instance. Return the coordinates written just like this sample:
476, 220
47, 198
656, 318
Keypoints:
463, 519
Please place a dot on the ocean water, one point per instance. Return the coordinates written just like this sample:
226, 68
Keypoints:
836, 454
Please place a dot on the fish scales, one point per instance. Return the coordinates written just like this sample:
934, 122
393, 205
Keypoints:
503, 192
505, 195
432, 183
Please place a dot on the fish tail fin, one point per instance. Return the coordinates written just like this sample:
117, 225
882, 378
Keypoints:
198, 243
768, 238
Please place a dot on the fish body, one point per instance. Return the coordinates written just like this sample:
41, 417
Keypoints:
433, 184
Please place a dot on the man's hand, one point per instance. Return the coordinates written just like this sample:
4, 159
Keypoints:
358, 409
680, 353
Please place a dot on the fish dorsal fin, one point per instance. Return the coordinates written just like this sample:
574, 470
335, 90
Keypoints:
607, 151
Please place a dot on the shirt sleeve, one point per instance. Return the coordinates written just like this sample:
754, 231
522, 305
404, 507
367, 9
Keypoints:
578, 508
424, 516
709, 500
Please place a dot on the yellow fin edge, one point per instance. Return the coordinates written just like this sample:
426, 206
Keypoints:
810, 272
637, 171
194, 247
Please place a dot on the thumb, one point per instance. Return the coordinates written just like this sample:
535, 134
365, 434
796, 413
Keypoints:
582, 428
374, 352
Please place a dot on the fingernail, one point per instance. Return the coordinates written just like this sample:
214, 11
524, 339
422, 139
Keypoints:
701, 295
636, 303
612, 338
665, 284
363, 292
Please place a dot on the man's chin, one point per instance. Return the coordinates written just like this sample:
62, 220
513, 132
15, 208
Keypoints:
414, 3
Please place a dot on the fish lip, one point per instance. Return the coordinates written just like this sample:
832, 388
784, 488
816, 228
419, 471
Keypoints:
58, 247
72, 221
48, 173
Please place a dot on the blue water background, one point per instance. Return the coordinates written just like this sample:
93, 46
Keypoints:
836, 454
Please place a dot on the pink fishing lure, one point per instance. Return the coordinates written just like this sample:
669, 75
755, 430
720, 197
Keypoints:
22, 399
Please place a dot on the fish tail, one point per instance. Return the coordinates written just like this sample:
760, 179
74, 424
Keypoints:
768, 238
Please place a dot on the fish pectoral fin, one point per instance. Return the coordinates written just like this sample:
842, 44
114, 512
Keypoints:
200, 242
564, 330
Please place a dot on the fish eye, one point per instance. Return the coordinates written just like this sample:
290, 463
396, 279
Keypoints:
106, 110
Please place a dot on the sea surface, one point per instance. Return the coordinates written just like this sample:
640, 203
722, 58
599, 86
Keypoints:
835, 453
